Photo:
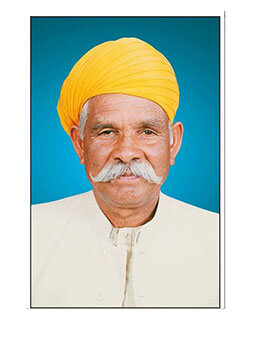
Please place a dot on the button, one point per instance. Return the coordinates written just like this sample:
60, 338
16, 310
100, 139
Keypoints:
143, 295
100, 296
123, 234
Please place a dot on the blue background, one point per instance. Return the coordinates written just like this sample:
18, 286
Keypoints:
192, 47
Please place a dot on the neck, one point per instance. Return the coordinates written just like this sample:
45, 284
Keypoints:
128, 217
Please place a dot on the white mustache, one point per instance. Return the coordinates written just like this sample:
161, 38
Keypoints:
112, 171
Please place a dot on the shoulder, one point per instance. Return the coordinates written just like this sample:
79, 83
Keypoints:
187, 213
63, 205
187, 220
57, 213
50, 219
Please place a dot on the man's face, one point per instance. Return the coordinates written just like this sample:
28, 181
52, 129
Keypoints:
123, 128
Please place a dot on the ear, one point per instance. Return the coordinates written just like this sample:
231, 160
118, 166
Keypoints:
177, 131
77, 142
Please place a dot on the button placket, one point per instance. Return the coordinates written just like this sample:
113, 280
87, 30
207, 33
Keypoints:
100, 296
140, 294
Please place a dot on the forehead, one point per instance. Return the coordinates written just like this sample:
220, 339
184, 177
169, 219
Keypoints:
124, 107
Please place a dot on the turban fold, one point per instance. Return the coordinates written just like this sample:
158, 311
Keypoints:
126, 66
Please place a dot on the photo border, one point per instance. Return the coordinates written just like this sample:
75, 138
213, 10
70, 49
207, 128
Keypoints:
222, 107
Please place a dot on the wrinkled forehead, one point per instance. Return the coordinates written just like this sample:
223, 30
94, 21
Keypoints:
121, 106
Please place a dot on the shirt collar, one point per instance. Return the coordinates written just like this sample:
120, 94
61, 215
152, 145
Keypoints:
103, 227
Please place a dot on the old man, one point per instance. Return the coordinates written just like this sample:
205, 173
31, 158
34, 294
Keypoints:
123, 244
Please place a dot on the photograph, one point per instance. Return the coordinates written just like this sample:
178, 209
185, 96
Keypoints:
125, 131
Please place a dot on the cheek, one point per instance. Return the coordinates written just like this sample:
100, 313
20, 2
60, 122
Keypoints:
96, 154
159, 157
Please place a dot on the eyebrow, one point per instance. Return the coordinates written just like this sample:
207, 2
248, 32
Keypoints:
151, 123
155, 123
99, 126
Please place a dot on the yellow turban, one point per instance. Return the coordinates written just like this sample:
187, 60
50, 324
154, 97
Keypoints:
125, 66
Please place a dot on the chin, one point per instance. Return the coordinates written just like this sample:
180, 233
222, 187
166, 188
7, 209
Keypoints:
131, 196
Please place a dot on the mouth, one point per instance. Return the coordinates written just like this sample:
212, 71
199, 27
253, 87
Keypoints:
127, 176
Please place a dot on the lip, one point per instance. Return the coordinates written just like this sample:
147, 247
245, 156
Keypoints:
127, 177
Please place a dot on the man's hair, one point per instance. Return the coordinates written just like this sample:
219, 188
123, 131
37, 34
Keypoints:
84, 116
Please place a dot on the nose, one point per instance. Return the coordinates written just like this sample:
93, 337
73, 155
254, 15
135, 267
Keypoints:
126, 149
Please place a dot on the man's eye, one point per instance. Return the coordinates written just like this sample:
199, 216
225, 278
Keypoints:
148, 132
106, 132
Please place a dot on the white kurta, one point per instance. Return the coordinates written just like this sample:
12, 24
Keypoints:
77, 260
